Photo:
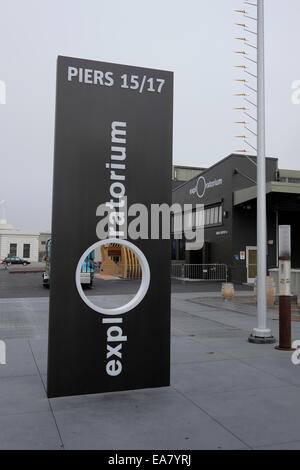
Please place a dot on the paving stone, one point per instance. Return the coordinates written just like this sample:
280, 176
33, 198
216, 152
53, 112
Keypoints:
29, 431
19, 359
260, 417
144, 419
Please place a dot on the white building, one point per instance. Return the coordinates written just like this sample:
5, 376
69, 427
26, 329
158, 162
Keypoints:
18, 243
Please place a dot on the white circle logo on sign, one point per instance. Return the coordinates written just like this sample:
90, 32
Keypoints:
140, 293
201, 187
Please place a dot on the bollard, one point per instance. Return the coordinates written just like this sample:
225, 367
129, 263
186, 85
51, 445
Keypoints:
285, 329
285, 319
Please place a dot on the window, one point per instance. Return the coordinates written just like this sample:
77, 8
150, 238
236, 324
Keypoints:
13, 249
294, 180
181, 249
200, 218
289, 180
216, 215
43, 242
174, 251
188, 220
206, 217
213, 215
177, 223
220, 215
193, 219
26, 250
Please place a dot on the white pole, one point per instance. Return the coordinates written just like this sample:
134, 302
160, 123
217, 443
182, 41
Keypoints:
261, 332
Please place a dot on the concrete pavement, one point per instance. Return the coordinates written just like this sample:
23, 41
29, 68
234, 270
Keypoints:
19, 285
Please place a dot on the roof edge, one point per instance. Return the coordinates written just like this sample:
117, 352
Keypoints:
216, 164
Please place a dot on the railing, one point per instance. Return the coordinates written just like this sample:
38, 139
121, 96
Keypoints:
199, 272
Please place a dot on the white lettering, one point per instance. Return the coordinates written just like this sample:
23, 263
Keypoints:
72, 72
113, 367
2, 92
296, 354
296, 93
115, 133
2, 353
90, 76
112, 337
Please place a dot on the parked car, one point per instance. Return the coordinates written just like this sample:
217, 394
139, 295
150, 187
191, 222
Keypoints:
15, 260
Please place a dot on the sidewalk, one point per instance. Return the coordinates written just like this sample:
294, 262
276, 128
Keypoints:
225, 393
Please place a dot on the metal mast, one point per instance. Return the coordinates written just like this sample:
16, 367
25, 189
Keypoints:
261, 334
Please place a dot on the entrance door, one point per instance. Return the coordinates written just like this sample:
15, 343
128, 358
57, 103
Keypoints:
251, 264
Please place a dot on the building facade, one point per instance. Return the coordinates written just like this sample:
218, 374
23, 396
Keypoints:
227, 191
18, 243
181, 173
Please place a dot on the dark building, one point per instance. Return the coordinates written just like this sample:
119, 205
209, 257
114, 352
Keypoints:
228, 192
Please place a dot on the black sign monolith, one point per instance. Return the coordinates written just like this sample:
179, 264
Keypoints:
104, 109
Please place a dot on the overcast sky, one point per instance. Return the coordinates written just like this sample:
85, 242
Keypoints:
193, 38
